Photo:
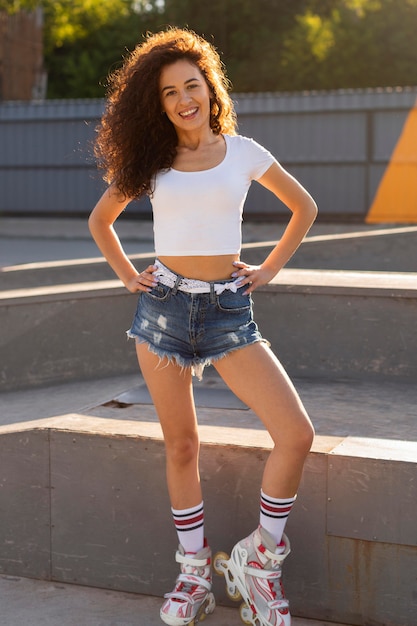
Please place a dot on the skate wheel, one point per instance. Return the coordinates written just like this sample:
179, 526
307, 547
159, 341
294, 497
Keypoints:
220, 567
246, 614
219, 561
211, 605
198, 619
233, 593
206, 609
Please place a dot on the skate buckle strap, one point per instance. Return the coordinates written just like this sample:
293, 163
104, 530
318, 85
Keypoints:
188, 579
191, 579
270, 574
180, 595
273, 556
189, 560
279, 604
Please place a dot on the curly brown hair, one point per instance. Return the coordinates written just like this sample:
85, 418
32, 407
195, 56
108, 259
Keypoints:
134, 140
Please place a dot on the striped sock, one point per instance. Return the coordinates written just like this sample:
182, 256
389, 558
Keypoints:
189, 524
274, 514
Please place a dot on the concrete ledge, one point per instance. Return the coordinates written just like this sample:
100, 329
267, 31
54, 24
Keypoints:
65, 332
334, 324
327, 324
377, 250
47, 273
371, 250
85, 501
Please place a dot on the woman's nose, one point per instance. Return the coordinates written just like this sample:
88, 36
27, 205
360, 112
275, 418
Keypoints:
185, 96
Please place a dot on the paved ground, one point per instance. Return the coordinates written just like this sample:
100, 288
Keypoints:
36, 603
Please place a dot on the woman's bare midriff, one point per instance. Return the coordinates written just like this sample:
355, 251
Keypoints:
208, 268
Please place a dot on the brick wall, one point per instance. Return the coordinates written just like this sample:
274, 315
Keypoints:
21, 56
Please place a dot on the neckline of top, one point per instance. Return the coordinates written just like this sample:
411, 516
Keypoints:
209, 169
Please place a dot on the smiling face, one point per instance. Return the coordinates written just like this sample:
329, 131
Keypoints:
185, 96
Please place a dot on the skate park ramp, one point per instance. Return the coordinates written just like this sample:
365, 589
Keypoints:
82, 456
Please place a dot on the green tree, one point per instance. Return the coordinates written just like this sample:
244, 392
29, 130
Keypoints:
249, 35
287, 45
357, 43
86, 39
267, 45
12, 6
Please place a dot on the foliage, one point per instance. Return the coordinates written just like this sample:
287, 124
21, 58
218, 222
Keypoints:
86, 39
288, 45
13, 6
267, 45
361, 43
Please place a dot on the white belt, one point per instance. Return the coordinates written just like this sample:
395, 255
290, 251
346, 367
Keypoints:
191, 285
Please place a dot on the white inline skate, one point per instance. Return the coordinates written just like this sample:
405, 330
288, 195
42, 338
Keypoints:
191, 600
253, 573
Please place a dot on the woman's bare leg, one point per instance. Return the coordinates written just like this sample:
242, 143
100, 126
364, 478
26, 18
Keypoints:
256, 376
171, 391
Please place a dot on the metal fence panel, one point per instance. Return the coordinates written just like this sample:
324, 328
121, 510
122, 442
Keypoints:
387, 128
338, 144
54, 191
310, 137
49, 143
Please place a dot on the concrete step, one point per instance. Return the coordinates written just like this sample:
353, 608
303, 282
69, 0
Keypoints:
382, 250
63, 272
321, 324
85, 502
83, 490
379, 250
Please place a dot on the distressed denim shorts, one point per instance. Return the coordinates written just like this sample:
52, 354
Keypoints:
194, 329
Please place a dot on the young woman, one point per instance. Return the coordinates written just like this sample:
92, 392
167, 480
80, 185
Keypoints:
169, 131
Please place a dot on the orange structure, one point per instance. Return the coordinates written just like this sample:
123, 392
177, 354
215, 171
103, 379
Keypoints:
396, 197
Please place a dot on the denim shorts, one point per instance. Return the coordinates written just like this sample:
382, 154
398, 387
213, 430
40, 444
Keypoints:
194, 329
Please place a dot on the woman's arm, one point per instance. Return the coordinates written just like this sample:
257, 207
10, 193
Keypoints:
101, 220
304, 211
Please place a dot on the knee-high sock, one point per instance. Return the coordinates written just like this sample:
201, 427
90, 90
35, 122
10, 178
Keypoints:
274, 514
189, 524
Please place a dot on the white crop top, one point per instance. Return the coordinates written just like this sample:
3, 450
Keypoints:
200, 213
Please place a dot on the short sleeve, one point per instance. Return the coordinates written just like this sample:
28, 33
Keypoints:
259, 159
